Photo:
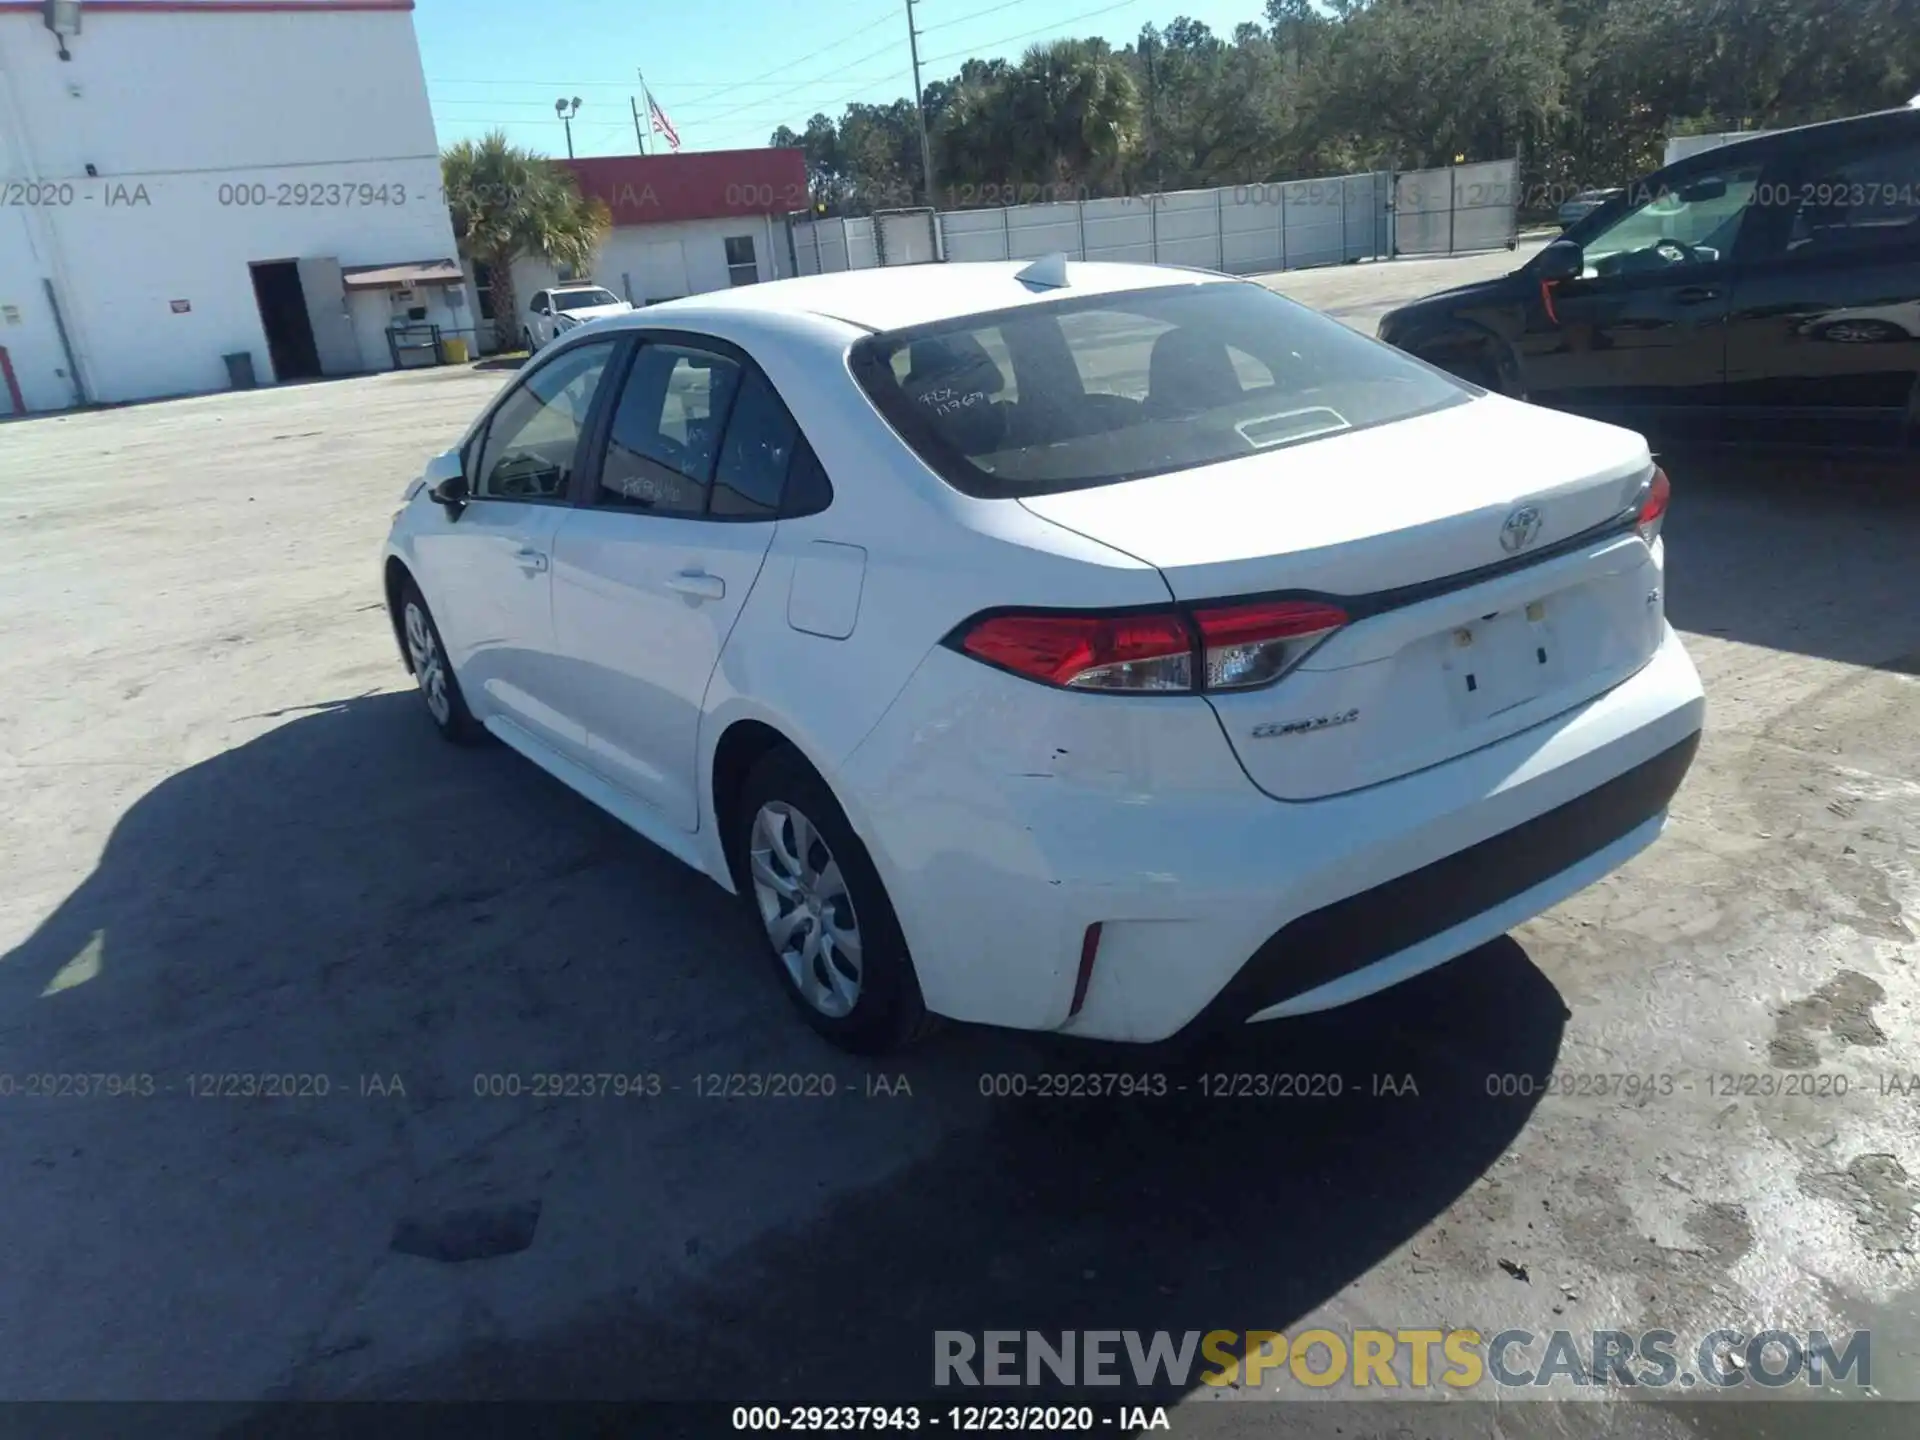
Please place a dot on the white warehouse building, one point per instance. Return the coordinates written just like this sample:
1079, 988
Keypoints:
193, 192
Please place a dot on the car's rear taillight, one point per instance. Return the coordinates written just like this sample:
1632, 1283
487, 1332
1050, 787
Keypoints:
1228, 647
1150, 652
1250, 645
1653, 506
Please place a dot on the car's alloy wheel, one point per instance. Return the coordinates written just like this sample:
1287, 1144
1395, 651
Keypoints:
815, 895
427, 655
1860, 332
804, 905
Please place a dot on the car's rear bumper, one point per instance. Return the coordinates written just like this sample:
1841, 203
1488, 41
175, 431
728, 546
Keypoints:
1381, 936
1007, 818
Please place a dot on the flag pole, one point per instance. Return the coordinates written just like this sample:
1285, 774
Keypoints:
636, 113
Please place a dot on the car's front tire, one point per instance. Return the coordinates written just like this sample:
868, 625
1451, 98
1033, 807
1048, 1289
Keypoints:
433, 672
809, 885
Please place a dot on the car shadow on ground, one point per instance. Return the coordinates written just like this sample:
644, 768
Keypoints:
347, 893
1801, 552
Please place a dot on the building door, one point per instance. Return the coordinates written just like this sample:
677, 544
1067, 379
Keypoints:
334, 343
663, 271
283, 315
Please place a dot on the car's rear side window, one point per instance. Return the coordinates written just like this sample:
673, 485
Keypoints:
666, 429
1090, 391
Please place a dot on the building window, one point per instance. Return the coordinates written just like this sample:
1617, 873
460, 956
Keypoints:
483, 288
742, 268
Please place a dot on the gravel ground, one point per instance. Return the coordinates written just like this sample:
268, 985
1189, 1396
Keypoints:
235, 848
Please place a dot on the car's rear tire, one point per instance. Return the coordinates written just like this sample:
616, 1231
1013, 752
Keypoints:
433, 672
810, 887
526, 341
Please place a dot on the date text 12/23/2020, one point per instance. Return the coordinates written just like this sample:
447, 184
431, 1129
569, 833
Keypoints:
961, 1419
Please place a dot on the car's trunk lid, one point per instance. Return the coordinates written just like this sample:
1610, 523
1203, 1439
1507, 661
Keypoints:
1470, 546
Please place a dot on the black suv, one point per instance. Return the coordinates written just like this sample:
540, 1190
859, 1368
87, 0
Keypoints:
1767, 292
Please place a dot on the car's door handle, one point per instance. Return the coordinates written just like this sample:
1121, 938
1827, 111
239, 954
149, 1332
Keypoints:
532, 561
1696, 294
698, 584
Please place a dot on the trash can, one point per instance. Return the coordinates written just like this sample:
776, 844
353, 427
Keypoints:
453, 350
240, 370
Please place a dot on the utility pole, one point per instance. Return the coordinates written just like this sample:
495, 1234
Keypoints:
920, 105
1152, 141
638, 134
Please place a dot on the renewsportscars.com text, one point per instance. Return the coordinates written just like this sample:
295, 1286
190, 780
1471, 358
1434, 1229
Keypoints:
1411, 1359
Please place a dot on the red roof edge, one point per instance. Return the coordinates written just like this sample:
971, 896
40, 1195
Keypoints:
700, 185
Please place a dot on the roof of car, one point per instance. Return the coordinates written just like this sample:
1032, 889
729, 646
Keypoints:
1871, 124
894, 297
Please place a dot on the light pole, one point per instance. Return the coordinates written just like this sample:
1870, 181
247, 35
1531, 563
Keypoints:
566, 110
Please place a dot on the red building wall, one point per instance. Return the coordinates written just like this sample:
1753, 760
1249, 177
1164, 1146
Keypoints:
705, 185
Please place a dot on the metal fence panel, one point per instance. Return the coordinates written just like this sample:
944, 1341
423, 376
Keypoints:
1250, 229
973, 234
863, 251
1243, 229
1423, 212
1316, 222
1186, 228
1036, 230
1118, 229
820, 246
1459, 207
907, 237
1485, 202
806, 245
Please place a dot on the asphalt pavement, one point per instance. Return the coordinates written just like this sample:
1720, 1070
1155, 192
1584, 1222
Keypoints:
280, 974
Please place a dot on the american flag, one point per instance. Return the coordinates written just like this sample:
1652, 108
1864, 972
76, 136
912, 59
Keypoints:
661, 125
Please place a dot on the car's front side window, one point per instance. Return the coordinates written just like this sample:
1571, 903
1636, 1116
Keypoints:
1692, 222
532, 440
666, 429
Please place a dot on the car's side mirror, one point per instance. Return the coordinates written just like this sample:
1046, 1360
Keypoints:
447, 481
450, 492
1562, 260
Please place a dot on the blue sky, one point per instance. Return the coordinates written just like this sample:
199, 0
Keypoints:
728, 73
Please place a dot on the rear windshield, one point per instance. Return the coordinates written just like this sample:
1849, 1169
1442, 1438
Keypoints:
1099, 389
583, 299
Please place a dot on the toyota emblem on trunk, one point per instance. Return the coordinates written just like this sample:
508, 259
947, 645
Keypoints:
1521, 529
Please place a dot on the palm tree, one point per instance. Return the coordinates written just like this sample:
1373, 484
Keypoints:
507, 203
1077, 111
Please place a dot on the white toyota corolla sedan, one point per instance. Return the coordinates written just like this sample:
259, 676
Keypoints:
1105, 649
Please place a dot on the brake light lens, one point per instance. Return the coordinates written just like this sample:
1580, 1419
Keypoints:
1653, 506
1252, 645
1237, 647
1151, 652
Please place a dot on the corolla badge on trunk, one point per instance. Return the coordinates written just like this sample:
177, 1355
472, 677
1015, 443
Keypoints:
1303, 727
1521, 529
